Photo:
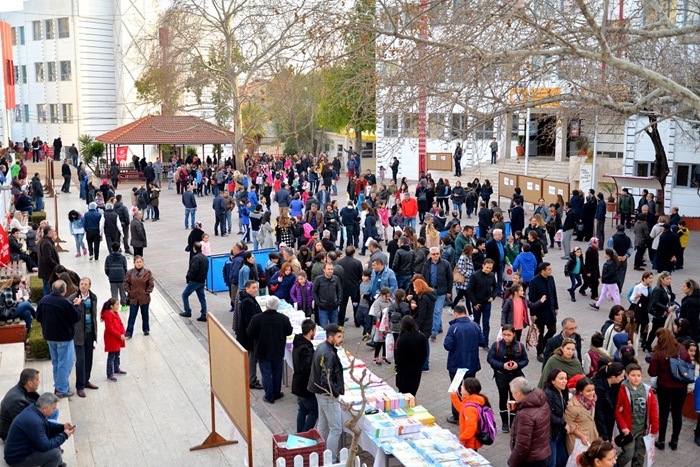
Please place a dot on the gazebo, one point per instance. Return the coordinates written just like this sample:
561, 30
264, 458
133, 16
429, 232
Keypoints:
174, 130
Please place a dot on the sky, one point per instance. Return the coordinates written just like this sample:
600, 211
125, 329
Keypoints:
10, 5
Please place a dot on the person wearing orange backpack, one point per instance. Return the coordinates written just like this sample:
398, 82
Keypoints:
466, 404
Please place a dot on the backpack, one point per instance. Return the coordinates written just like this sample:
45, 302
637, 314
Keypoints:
423, 196
486, 427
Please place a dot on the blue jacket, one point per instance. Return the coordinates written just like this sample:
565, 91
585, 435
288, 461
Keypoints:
462, 342
91, 220
219, 206
528, 263
57, 316
386, 278
232, 268
286, 282
31, 432
600, 211
253, 198
188, 200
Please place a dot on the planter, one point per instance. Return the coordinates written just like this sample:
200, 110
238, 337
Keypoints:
13, 333
520, 151
583, 153
611, 207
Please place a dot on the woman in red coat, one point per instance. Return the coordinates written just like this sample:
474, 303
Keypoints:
115, 337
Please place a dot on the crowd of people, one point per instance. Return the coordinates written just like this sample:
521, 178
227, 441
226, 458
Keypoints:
423, 258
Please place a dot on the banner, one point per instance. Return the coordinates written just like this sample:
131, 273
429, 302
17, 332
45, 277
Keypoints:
4, 247
122, 152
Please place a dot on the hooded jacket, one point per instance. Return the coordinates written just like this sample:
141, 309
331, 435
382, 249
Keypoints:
623, 409
462, 342
115, 267
530, 434
468, 418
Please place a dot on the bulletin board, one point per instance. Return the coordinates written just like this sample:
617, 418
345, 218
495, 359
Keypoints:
438, 161
506, 184
531, 188
551, 188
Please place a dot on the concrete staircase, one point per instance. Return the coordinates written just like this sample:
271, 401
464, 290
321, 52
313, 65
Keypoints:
12, 362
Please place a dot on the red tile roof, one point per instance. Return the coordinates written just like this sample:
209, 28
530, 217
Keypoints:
175, 129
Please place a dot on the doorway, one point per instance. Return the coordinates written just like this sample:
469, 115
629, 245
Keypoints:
543, 135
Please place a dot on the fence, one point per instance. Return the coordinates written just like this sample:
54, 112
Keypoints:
215, 275
313, 460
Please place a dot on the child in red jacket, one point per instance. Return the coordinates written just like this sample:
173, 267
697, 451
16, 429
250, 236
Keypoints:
637, 414
115, 337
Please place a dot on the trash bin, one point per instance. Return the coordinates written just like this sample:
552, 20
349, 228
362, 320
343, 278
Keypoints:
280, 451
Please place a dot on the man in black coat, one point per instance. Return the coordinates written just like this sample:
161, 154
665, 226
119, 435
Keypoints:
196, 280
485, 219
65, 172
543, 298
517, 216
404, 260
481, 291
568, 229
302, 356
495, 251
270, 329
569, 330
249, 307
352, 269
438, 275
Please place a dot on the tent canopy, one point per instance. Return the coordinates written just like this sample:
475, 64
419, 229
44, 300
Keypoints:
629, 181
168, 129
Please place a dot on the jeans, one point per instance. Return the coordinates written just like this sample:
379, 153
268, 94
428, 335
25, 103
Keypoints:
229, 223
327, 316
271, 376
83, 361
411, 222
39, 203
364, 319
113, 363
24, 310
47, 289
50, 458
559, 452
426, 365
437, 314
79, 241
254, 233
62, 355
330, 423
117, 291
93, 241
576, 281
190, 214
457, 207
403, 281
307, 413
133, 312
485, 312
198, 288
220, 221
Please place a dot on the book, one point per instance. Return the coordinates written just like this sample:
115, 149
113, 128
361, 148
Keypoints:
457, 380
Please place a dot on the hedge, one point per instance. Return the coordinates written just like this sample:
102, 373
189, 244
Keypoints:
37, 348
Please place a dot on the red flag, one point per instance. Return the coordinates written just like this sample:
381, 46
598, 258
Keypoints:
4, 247
122, 152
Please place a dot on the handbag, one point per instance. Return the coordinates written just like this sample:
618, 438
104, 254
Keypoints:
682, 371
389, 345
651, 450
533, 335
458, 277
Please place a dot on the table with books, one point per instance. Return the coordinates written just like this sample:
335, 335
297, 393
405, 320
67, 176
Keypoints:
399, 428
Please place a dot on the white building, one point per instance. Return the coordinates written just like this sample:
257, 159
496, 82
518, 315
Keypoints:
75, 64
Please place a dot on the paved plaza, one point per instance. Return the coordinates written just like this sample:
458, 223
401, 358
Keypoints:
161, 408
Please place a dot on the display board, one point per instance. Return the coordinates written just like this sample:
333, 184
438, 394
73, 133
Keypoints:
531, 188
439, 161
506, 184
550, 190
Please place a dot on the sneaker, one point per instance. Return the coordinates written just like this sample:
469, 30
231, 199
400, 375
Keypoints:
121, 372
112, 378
256, 385
203, 319
594, 306
366, 337
65, 394
186, 315
540, 358
125, 307
85, 252
78, 254
127, 336
90, 258
451, 419
146, 333
505, 428
433, 337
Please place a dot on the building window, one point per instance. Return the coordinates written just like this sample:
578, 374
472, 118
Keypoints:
21, 35
16, 74
391, 125
435, 125
514, 126
687, 175
26, 113
24, 74
67, 113
13, 32
39, 72
459, 123
36, 30
66, 71
409, 125
41, 113
50, 29
63, 28
642, 169
53, 112
484, 130
52, 71
18, 114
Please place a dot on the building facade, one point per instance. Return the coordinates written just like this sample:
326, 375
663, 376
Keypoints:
75, 64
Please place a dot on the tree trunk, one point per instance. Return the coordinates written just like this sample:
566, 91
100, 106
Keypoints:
358, 141
660, 168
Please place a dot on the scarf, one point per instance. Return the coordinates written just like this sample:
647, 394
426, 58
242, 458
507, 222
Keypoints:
588, 404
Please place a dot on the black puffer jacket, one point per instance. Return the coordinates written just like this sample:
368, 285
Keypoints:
115, 267
403, 261
530, 435
424, 312
557, 406
302, 356
690, 310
